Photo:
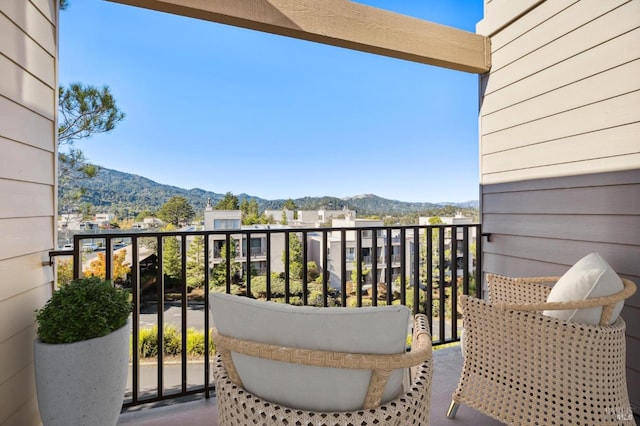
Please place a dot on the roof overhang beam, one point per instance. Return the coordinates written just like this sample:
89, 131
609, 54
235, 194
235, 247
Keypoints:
345, 24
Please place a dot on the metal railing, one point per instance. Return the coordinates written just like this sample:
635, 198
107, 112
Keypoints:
427, 270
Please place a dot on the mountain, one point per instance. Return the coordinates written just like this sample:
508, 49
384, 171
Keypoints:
127, 194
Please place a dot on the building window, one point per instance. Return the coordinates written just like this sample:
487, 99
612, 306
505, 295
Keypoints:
351, 254
226, 223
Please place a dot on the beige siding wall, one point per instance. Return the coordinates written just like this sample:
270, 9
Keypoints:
28, 50
560, 142
564, 78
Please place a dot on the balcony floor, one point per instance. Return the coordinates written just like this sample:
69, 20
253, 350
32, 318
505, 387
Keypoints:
447, 364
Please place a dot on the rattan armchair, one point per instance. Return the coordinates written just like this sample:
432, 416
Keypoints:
522, 367
238, 406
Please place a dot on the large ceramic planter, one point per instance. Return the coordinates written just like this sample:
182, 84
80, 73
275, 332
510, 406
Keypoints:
82, 383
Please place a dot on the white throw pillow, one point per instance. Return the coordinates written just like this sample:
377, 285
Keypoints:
381, 330
590, 277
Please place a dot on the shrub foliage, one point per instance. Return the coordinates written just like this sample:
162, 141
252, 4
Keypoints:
81, 310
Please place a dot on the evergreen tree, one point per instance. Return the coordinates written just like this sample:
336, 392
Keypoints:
196, 261
295, 257
176, 211
171, 260
83, 111
228, 202
219, 274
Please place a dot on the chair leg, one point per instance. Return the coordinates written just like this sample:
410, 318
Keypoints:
453, 409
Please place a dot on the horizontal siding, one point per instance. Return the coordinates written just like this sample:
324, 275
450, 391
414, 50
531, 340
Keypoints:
589, 32
602, 228
17, 391
528, 22
597, 165
27, 199
33, 22
597, 200
23, 236
31, 274
617, 81
22, 124
599, 59
17, 313
47, 8
608, 113
558, 251
25, 89
26, 163
572, 149
557, 26
519, 267
24, 51
28, 91
563, 95
26, 414
499, 12
15, 351
577, 124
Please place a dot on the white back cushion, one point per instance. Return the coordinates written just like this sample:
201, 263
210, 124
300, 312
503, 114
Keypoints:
380, 330
590, 277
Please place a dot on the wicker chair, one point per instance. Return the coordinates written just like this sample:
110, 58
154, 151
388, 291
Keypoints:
522, 367
237, 406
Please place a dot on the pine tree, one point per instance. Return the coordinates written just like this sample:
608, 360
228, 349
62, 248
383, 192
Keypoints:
196, 261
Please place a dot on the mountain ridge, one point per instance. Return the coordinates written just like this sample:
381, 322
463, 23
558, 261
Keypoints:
128, 193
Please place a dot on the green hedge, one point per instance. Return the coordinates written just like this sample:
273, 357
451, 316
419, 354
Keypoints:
148, 342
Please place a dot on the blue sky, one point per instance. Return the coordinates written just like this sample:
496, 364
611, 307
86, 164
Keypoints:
232, 110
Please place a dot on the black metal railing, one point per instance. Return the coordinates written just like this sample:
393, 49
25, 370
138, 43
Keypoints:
422, 267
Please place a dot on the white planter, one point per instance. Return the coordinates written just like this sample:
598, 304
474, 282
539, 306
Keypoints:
82, 383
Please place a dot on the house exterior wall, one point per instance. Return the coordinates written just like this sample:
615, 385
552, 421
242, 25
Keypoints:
559, 146
28, 96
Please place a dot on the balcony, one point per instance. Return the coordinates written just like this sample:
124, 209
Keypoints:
166, 272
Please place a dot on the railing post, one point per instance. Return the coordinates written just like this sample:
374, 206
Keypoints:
304, 267
134, 275
77, 257
207, 336
268, 265
374, 267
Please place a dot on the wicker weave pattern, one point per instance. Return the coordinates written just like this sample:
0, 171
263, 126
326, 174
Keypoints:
239, 407
532, 291
519, 290
524, 368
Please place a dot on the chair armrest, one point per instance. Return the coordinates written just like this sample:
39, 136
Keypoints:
533, 291
421, 341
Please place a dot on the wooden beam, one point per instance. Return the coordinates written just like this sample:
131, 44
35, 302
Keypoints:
345, 24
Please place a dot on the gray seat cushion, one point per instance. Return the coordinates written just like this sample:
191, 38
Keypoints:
379, 330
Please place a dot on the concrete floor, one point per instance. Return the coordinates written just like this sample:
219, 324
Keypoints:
200, 411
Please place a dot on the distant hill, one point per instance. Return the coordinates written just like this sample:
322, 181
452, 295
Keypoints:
125, 193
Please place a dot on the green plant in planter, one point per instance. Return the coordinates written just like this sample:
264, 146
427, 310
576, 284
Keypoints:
81, 310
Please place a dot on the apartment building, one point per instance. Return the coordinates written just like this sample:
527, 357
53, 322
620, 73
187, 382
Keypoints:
249, 251
386, 250
309, 218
